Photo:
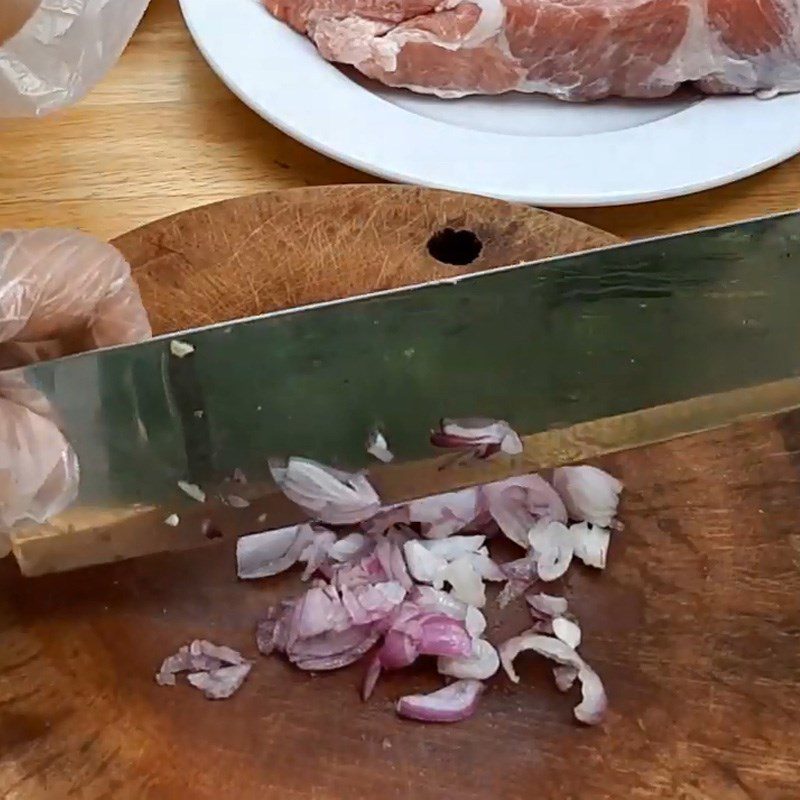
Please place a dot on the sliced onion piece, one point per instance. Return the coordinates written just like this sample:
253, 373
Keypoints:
390, 555
215, 669
475, 622
385, 520
372, 603
552, 545
589, 493
482, 664
568, 631
219, 684
334, 649
348, 547
452, 703
516, 504
594, 704
484, 436
547, 605
192, 490
485, 567
467, 584
442, 515
316, 553
378, 447
424, 566
590, 543
262, 555
454, 546
412, 634
329, 495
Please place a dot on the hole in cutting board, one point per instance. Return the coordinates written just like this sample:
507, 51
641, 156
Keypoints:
458, 248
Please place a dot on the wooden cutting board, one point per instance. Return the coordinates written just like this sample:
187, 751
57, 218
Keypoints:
694, 626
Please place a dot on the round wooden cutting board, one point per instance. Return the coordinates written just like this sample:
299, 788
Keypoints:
693, 626
287, 248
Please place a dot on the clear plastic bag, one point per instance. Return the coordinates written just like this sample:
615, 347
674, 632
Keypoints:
62, 50
60, 292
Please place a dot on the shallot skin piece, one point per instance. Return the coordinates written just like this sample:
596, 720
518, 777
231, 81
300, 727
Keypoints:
574, 50
453, 703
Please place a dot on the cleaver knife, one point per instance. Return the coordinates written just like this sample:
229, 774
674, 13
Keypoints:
582, 355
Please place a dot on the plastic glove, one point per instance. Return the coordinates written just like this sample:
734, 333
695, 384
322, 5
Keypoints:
52, 52
60, 292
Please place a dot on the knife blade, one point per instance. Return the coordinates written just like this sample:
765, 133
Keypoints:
581, 354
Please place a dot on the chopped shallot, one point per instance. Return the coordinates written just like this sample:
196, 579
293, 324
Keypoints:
216, 670
428, 562
378, 447
412, 634
235, 501
455, 702
484, 436
550, 616
480, 665
593, 706
180, 349
590, 543
467, 584
547, 605
568, 631
262, 555
219, 684
424, 566
474, 621
552, 547
407, 580
436, 601
193, 491
589, 494
516, 504
316, 553
347, 547
442, 515
327, 494
454, 546
173, 520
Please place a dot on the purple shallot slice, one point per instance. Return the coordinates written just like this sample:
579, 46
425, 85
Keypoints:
452, 703
594, 704
484, 437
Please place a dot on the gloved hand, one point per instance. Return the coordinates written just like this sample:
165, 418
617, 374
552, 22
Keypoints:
60, 292
52, 52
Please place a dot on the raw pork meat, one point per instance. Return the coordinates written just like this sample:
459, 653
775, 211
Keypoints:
571, 49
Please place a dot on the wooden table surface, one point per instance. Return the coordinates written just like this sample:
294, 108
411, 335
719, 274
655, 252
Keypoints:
162, 134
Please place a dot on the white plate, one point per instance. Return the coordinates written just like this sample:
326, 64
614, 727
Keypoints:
515, 147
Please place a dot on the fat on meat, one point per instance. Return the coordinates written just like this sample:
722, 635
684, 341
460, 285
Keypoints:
571, 49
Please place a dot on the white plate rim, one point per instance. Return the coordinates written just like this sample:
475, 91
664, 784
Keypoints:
709, 144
